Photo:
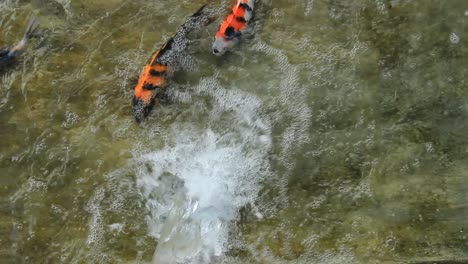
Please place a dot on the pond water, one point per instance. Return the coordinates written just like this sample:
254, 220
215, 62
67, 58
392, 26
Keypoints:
336, 132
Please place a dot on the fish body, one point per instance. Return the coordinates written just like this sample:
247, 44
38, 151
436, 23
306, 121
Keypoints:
232, 28
9, 55
153, 78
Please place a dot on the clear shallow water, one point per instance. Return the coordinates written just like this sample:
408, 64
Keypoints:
335, 134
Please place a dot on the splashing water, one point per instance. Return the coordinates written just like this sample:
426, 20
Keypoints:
198, 182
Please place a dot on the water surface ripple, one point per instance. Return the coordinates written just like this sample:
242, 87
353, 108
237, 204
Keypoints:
334, 133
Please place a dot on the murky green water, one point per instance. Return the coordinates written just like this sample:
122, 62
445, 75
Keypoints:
335, 134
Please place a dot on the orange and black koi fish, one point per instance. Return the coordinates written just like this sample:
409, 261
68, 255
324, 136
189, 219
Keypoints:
153, 78
233, 27
9, 55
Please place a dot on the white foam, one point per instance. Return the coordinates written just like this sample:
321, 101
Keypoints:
202, 177
71, 119
96, 232
308, 8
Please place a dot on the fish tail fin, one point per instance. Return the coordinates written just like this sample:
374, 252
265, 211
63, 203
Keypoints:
31, 29
19, 47
199, 11
200, 18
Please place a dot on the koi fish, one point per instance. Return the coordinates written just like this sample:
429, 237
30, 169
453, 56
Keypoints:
232, 28
153, 78
8, 55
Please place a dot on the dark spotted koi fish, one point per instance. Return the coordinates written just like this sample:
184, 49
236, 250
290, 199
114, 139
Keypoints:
232, 28
153, 79
9, 55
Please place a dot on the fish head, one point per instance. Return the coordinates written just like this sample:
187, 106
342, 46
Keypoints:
143, 103
221, 45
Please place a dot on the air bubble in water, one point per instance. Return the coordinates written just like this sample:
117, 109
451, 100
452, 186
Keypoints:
454, 38
71, 119
116, 227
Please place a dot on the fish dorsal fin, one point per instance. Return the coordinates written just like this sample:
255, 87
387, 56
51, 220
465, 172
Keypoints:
238, 4
234, 11
167, 46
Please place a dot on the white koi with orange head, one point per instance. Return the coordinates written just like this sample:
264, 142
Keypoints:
232, 28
